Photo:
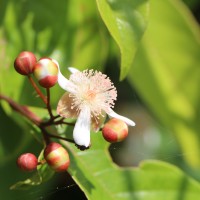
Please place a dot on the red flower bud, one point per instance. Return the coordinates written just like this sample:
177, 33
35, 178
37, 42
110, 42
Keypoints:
115, 130
24, 63
57, 157
46, 72
27, 162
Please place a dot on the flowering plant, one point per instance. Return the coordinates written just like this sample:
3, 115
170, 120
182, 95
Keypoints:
90, 95
75, 112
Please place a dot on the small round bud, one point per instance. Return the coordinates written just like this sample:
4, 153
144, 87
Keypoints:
57, 157
115, 130
27, 162
24, 63
46, 72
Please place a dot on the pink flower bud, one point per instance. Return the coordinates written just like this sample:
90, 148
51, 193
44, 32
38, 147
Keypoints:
57, 157
24, 63
27, 162
115, 130
46, 72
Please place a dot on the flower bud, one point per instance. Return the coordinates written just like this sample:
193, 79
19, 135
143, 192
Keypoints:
46, 72
24, 62
27, 162
57, 157
115, 130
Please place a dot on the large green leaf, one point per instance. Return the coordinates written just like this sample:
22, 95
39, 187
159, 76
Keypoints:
166, 73
126, 20
99, 178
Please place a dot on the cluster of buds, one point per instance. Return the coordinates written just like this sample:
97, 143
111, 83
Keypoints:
45, 70
55, 155
89, 95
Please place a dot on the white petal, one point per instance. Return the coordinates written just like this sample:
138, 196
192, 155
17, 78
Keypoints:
73, 70
81, 133
113, 114
64, 83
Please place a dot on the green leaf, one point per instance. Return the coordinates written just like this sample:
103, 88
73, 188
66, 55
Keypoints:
12, 128
166, 73
99, 178
90, 40
26, 184
126, 20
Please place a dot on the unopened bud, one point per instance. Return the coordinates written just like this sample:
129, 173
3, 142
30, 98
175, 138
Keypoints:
46, 72
57, 157
115, 130
27, 162
24, 63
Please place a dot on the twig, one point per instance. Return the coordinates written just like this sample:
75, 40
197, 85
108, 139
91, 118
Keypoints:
23, 110
44, 99
59, 122
62, 138
45, 135
49, 105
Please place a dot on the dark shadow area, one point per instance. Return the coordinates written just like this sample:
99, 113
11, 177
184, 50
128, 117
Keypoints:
65, 188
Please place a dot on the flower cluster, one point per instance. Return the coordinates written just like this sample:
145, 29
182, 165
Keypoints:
89, 97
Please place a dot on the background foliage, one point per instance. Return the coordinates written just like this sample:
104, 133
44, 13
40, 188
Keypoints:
156, 44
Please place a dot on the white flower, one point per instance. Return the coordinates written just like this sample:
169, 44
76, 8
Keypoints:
90, 94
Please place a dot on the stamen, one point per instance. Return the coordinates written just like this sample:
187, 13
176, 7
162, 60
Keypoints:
93, 89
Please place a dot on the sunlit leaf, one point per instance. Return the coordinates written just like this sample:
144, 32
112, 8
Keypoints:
99, 178
166, 73
126, 20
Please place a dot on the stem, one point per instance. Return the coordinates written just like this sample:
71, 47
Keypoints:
62, 138
44, 99
48, 104
45, 135
23, 110
62, 122
59, 122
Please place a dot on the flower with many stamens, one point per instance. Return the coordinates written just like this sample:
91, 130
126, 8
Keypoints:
90, 95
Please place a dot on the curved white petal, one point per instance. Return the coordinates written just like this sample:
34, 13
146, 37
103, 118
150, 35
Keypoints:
81, 133
64, 83
113, 114
73, 70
